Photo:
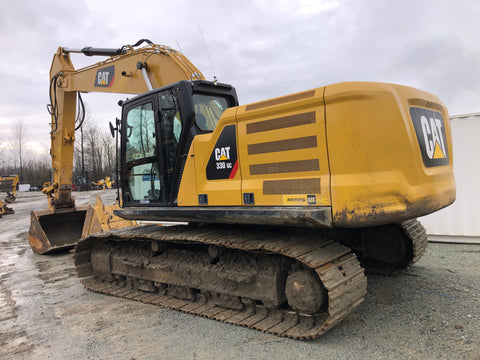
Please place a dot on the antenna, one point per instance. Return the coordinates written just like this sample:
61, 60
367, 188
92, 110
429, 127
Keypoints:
179, 47
208, 54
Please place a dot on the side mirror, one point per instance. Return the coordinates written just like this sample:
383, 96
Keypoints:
112, 129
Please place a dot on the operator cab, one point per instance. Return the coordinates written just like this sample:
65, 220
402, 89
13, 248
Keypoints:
157, 130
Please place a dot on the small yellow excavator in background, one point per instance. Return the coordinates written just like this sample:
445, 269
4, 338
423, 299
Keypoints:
106, 183
287, 200
5, 210
109, 182
8, 184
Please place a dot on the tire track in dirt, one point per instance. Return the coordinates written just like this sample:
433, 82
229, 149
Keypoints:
13, 340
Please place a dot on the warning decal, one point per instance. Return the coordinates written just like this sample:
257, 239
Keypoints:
430, 129
299, 200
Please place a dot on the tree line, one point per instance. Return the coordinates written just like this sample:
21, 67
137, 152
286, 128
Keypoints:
94, 155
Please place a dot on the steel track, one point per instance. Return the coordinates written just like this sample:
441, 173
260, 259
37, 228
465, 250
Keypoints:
336, 266
415, 235
418, 235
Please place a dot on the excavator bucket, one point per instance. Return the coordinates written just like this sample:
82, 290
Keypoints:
10, 198
100, 218
50, 232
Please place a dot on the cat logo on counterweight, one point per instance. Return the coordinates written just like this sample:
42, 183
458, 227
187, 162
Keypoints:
430, 129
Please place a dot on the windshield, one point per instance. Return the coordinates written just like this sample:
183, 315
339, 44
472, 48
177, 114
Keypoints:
208, 110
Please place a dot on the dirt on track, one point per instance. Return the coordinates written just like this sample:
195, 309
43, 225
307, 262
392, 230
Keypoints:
430, 312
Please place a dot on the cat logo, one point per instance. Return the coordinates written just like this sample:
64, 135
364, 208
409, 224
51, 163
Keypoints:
430, 129
433, 137
105, 77
223, 163
222, 154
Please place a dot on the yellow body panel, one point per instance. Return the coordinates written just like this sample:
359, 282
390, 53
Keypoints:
225, 192
187, 193
376, 164
351, 147
282, 150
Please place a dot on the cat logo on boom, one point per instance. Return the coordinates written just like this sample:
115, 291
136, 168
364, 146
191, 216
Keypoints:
430, 129
105, 77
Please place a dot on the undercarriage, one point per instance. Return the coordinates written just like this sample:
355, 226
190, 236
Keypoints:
289, 282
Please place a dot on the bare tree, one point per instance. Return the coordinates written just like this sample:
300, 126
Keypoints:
3, 153
109, 154
94, 152
37, 169
19, 131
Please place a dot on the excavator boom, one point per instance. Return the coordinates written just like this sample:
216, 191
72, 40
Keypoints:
129, 69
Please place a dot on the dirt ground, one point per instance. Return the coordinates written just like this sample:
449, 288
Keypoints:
432, 311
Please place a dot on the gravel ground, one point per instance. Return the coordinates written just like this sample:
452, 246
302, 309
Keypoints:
430, 312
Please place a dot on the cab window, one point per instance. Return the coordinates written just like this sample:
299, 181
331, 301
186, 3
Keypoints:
140, 132
208, 110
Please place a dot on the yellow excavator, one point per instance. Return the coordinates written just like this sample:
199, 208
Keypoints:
8, 184
106, 183
5, 210
288, 200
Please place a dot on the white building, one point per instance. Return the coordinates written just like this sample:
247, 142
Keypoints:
462, 218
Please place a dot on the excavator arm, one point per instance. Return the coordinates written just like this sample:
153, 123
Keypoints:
130, 69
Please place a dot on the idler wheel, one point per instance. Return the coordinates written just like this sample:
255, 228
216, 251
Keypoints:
304, 292
214, 252
157, 247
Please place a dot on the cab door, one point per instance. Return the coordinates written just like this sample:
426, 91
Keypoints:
171, 129
152, 131
143, 174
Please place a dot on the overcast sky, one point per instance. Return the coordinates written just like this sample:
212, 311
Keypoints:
264, 48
